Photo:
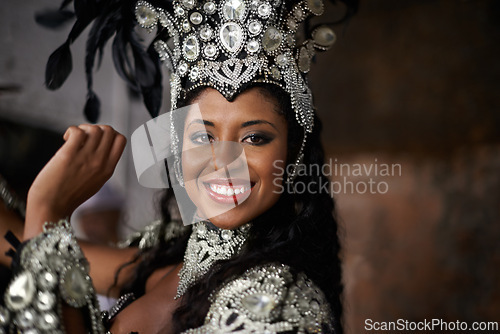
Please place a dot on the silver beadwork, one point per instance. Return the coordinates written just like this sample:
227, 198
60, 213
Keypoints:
52, 264
256, 27
267, 299
207, 245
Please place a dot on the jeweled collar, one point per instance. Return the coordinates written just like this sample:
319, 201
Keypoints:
207, 245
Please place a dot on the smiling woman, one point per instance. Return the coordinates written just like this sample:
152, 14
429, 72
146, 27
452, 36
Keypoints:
249, 259
249, 125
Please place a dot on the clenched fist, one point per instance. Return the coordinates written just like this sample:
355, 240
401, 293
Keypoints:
76, 172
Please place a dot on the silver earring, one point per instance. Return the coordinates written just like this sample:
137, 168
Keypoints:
300, 156
178, 171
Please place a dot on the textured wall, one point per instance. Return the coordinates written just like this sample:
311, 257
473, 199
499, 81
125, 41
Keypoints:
416, 83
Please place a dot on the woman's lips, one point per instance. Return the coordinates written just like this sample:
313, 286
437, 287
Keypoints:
226, 191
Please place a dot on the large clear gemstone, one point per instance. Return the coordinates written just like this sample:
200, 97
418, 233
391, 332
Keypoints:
255, 27
213, 239
264, 10
233, 9
205, 33
21, 291
190, 48
324, 36
195, 71
183, 68
146, 16
202, 229
26, 318
315, 6
210, 50
75, 286
231, 36
47, 280
209, 7
226, 234
271, 39
46, 300
196, 18
253, 46
186, 26
189, 3
179, 11
259, 304
282, 60
48, 321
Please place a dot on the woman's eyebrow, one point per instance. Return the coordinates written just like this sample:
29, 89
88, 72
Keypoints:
200, 121
257, 121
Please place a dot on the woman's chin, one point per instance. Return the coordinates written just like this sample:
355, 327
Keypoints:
230, 220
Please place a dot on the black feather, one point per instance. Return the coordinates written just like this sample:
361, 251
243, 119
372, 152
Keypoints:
65, 4
152, 95
92, 107
86, 8
58, 67
53, 19
120, 57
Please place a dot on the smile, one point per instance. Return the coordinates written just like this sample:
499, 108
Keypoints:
225, 191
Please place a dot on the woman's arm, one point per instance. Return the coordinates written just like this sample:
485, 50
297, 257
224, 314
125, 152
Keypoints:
75, 173
51, 254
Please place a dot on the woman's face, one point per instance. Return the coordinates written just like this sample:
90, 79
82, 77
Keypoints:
219, 180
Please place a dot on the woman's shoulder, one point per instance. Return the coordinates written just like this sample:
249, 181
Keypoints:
269, 298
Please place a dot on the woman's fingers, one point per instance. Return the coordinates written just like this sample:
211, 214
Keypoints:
94, 135
75, 138
117, 149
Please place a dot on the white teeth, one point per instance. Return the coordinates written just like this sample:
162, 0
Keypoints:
226, 191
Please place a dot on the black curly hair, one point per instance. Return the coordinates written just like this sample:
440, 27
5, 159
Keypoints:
300, 230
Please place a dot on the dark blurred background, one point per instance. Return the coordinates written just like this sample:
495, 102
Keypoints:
412, 83
417, 83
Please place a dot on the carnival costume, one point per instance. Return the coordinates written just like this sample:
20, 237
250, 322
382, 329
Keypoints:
228, 45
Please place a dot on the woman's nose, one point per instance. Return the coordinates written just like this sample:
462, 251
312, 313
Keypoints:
227, 154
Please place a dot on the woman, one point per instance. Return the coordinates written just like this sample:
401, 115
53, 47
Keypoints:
266, 262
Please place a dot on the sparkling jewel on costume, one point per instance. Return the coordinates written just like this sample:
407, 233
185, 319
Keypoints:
21, 291
51, 266
234, 9
231, 36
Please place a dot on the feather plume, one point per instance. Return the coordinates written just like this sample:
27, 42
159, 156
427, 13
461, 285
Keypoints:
92, 107
59, 67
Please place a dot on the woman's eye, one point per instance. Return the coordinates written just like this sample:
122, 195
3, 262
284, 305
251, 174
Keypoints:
201, 138
255, 139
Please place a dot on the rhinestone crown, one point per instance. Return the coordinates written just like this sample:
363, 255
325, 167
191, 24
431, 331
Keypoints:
231, 44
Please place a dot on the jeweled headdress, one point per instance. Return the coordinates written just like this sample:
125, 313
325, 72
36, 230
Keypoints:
228, 45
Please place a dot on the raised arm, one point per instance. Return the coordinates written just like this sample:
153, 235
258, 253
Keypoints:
51, 264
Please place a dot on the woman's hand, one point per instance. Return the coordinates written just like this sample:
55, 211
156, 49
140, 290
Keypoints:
75, 173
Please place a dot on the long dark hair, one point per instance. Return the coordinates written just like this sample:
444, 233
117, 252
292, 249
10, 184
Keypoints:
300, 230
